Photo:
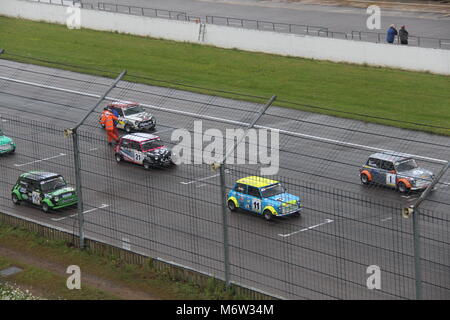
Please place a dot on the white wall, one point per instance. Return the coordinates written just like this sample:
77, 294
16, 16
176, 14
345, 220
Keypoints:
395, 56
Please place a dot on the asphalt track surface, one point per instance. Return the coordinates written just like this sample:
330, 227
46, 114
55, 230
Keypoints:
174, 214
341, 19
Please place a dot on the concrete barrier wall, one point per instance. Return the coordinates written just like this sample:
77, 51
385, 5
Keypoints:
337, 50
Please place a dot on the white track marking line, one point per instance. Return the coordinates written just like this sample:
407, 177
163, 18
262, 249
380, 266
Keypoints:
234, 122
305, 229
93, 149
386, 219
24, 164
87, 211
201, 179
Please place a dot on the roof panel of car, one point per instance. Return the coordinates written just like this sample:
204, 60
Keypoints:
140, 136
39, 175
390, 156
256, 181
123, 105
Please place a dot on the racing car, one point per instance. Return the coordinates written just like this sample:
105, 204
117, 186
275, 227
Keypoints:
44, 189
132, 117
144, 149
395, 170
7, 145
264, 197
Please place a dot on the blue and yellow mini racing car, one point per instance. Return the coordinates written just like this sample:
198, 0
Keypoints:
263, 196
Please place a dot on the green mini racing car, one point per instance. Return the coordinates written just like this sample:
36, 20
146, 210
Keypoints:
7, 145
44, 189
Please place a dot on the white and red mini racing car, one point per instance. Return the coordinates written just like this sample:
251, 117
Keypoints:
144, 149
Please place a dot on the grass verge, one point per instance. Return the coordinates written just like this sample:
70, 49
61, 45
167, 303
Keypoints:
379, 95
47, 284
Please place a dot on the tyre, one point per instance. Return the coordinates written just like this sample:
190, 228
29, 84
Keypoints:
15, 199
267, 215
364, 178
118, 158
231, 205
127, 128
402, 188
146, 165
12, 151
45, 208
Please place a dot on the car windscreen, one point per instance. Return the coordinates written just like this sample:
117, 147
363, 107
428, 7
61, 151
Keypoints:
152, 144
53, 184
133, 110
406, 165
272, 190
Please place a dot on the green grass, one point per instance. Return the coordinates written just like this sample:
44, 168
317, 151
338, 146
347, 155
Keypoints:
368, 91
145, 278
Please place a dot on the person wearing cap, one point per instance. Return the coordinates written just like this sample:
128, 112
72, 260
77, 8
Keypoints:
403, 35
391, 33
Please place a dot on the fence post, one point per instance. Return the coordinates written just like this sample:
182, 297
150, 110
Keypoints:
417, 266
223, 190
77, 163
415, 213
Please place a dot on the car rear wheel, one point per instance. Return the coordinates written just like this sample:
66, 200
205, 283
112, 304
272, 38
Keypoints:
146, 165
127, 128
364, 178
45, 208
402, 187
231, 205
267, 215
15, 199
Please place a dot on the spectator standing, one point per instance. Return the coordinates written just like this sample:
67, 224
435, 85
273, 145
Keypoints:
391, 33
403, 35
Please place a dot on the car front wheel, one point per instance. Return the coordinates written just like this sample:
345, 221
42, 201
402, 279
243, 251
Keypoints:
267, 215
118, 158
15, 199
128, 128
45, 208
364, 178
231, 205
146, 165
402, 187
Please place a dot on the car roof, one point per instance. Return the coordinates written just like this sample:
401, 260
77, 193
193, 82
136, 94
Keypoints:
140, 136
123, 105
390, 156
256, 181
39, 175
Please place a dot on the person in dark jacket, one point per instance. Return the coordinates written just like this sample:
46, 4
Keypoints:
403, 35
391, 33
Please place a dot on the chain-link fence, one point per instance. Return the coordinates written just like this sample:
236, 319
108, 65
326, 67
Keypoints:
175, 213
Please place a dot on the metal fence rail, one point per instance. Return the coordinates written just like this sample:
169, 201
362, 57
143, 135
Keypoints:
320, 31
175, 213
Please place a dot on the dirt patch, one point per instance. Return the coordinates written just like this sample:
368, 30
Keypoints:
113, 288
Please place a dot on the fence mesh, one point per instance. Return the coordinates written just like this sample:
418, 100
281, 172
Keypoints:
174, 213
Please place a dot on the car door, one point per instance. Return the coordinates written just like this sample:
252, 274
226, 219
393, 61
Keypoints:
253, 200
36, 195
390, 177
138, 155
375, 170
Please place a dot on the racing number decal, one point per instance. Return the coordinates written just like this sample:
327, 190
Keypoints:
256, 205
138, 157
36, 198
390, 179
